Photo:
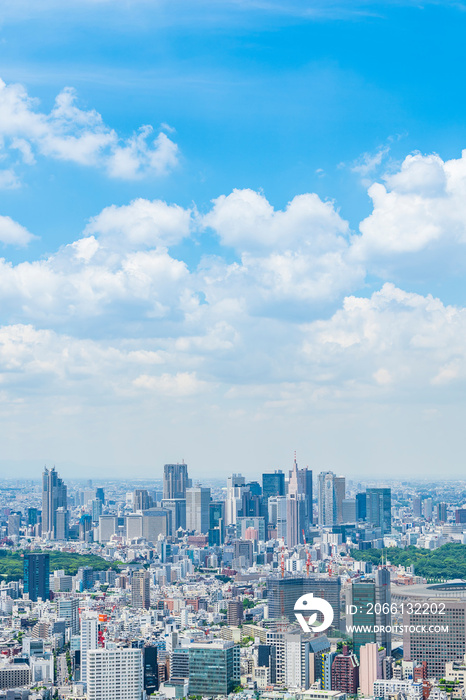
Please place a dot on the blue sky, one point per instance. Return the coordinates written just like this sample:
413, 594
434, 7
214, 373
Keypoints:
160, 296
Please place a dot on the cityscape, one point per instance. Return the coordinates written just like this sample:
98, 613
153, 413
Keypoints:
177, 589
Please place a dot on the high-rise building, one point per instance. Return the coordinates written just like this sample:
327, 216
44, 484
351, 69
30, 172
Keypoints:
345, 672
216, 523
68, 609
197, 509
179, 664
214, 668
236, 488
442, 635
348, 510
282, 594
379, 508
273, 484
327, 500
151, 671
340, 493
370, 667
14, 523
96, 510
140, 589
277, 515
89, 638
108, 525
115, 674
442, 515
234, 612
371, 601
297, 661
177, 507
142, 500
175, 480
361, 508
100, 494
54, 496
37, 576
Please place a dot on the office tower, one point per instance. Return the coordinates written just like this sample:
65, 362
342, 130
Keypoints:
151, 671
345, 672
68, 609
442, 513
140, 589
96, 510
348, 510
32, 516
156, 522
300, 486
115, 673
100, 494
85, 575
369, 667
433, 644
177, 508
108, 525
273, 484
460, 515
234, 498
361, 509
85, 527
216, 523
417, 506
243, 548
179, 664
62, 521
37, 576
197, 509
296, 661
214, 668
379, 508
89, 637
327, 499
383, 606
175, 480
234, 612
277, 515
367, 597
53, 497
340, 493
428, 508
142, 500
14, 523
282, 594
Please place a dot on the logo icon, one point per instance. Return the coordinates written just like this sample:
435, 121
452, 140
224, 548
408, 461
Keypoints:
308, 605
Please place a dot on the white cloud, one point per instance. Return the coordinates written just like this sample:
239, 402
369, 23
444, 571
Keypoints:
421, 207
80, 136
246, 221
181, 384
13, 233
142, 223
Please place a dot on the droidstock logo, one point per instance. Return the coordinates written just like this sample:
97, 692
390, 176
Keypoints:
308, 605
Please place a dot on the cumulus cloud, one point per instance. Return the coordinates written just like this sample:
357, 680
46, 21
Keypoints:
72, 134
13, 233
420, 207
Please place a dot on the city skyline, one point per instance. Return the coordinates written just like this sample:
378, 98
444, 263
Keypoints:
237, 230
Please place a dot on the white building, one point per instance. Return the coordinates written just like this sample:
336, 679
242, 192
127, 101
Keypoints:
408, 689
89, 630
114, 674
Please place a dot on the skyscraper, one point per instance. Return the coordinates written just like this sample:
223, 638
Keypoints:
197, 509
175, 480
282, 594
273, 484
371, 601
140, 589
36, 576
54, 496
379, 508
327, 499
68, 608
